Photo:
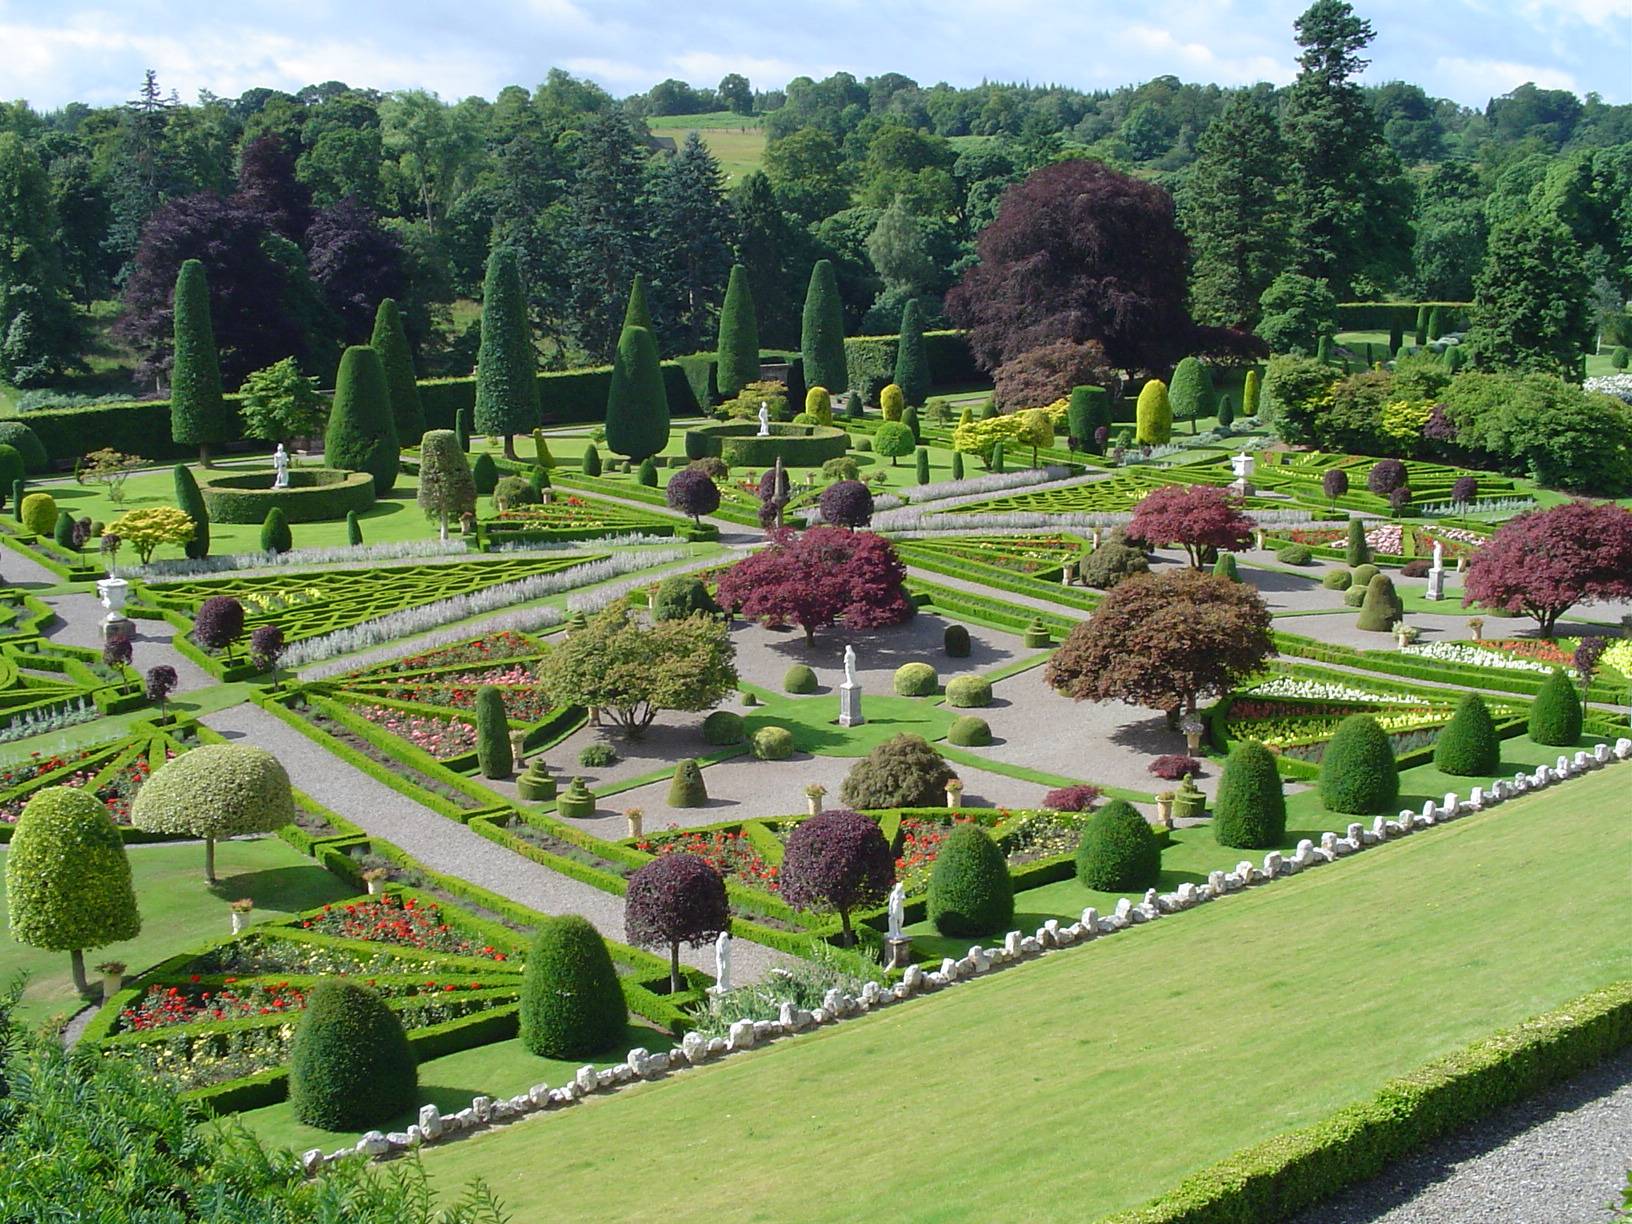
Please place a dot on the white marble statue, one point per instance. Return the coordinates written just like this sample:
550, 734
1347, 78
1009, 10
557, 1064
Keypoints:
850, 665
722, 962
1439, 555
898, 907
280, 465
764, 420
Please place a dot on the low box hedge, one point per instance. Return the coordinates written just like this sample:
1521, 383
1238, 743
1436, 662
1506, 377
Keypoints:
740, 444
314, 495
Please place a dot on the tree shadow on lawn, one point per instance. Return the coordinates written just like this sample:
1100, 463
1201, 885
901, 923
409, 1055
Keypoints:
282, 888
1276, 582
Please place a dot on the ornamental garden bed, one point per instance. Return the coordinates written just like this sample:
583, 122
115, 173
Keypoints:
313, 495
573, 516
396, 764
113, 772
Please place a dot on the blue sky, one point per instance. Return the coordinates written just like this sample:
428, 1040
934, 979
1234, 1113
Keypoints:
56, 51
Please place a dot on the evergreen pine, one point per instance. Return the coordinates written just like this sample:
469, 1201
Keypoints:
361, 436
821, 337
390, 341
198, 412
911, 361
637, 407
506, 368
191, 503
493, 754
1250, 811
738, 353
1555, 714
1467, 746
275, 534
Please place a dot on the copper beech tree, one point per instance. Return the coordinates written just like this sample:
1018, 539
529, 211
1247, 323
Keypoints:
817, 577
1164, 640
1202, 518
1544, 563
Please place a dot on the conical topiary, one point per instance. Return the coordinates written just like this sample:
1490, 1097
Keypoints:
275, 534
571, 1003
1087, 410
1153, 415
686, 788
646, 473
350, 1064
970, 892
1381, 606
354, 529
1467, 745
199, 414
637, 407
911, 361
922, 465
485, 473
1119, 852
592, 460
821, 336
361, 436
1250, 811
957, 465
1358, 551
493, 755
1226, 412
1224, 567
1555, 714
190, 501
739, 336
390, 341
1358, 774
506, 367
1251, 390
635, 313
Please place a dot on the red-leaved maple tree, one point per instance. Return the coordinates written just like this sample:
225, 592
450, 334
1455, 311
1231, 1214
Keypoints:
1200, 517
1545, 562
816, 577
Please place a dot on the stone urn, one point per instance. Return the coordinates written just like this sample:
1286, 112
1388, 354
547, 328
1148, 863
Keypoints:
113, 978
635, 818
1164, 809
954, 793
813, 799
1193, 729
113, 592
518, 747
240, 915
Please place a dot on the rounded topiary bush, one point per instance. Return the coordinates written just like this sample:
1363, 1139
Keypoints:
969, 692
28, 444
571, 1003
596, 756
1555, 714
773, 743
1381, 605
350, 1065
799, 679
39, 513
903, 771
1337, 580
1119, 851
1354, 597
1358, 775
1294, 554
724, 727
1250, 811
12, 469
1361, 575
968, 731
916, 680
955, 641
686, 789
1467, 745
970, 892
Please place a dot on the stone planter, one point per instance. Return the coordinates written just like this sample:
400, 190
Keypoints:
813, 805
636, 821
518, 749
1192, 741
374, 887
1164, 811
954, 797
240, 921
112, 984
113, 593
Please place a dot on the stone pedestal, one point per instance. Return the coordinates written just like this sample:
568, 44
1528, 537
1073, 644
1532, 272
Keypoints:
850, 705
897, 953
117, 628
1242, 488
1436, 583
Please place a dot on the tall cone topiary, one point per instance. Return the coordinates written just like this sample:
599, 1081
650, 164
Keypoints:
1555, 714
738, 342
970, 891
354, 529
1191, 392
198, 413
1467, 746
1153, 415
350, 1064
637, 407
1381, 606
686, 788
571, 1003
361, 436
506, 369
1224, 567
635, 313
1087, 410
911, 361
390, 341
1358, 551
1358, 774
191, 503
821, 336
1250, 811
1251, 390
275, 534
493, 755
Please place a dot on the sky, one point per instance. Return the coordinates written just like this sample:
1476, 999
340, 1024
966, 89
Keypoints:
57, 51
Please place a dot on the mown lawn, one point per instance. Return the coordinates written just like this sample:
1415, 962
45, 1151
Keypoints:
1094, 1078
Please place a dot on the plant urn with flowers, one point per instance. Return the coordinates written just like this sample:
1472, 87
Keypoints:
813, 798
1404, 634
374, 880
113, 978
240, 914
1164, 809
954, 792
635, 818
518, 747
1068, 573
1193, 729
1476, 626
467, 523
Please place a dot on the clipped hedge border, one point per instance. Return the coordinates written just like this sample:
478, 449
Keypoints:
1279, 1177
315, 495
740, 444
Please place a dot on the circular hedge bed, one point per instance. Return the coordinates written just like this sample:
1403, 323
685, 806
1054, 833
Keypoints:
314, 495
739, 444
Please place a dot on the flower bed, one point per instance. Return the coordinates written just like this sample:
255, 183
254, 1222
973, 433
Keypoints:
1478, 656
397, 920
505, 644
441, 737
728, 851
112, 778
166, 1006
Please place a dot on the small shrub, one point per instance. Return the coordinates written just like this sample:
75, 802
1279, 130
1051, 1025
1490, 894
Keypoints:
969, 692
39, 513
1619, 358
275, 534
485, 473
955, 641
681, 596
1080, 798
1174, 765
646, 473
686, 788
1555, 714
1416, 568
1294, 554
892, 402
1224, 567
1358, 551
596, 756
1358, 775
1354, 597
592, 460
1114, 560
571, 1003
799, 679
970, 892
512, 492
968, 731
723, 727
916, 680
773, 743
1119, 851
1467, 746
1337, 580
903, 771
1250, 811
711, 466
842, 468
350, 1064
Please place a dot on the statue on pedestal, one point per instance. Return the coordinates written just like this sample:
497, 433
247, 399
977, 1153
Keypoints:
722, 963
280, 465
897, 904
850, 692
764, 420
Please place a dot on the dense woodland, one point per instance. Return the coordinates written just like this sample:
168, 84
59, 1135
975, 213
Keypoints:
309, 208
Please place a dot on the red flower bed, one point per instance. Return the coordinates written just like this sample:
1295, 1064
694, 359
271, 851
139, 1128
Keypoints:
118, 792
503, 645
729, 853
163, 1006
398, 920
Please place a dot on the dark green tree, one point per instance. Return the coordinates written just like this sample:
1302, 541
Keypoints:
1298, 312
637, 406
1531, 307
40, 335
694, 230
191, 503
1555, 714
1358, 774
769, 246
1191, 392
607, 240
361, 436
970, 891
493, 755
390, 341
1119, 851
350, 1064
571, 1003
1358, 551
354, 529
822, 333
739, 336
1250, 811
506, 368
1467, 746
635, 312
198, 413
1088, 409
911, 361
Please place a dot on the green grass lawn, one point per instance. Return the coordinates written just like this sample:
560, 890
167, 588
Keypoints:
1092, 1079
737, 141
814, 721
178, 910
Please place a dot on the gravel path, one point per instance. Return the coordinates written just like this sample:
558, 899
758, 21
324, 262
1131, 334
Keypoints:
78, 623
1559, 1158
445, 845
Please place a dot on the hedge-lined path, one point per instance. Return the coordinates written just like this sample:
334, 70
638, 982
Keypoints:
445, 845
78, 622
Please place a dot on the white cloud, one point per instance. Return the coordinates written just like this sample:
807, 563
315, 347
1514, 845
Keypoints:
1488, 78
1613, 16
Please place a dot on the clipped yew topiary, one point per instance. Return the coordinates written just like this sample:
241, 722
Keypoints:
739, 336
799, 679
275, 534
390, 341
485, 473
955, 641
1337, 580
903, 771
218, 790
199, 415
1153, 415
686, 788
968, 731
62, 531
361, 436
67, 879
1224, 567
723, 727
916, 680
892, 403
1381, 606
39, 513
1087, 411
592, 460
506, 366
493, 753
354, 529
1250, 811
571, 1003
1358, 775
911, 361
821, 335
773, 743
969, 692
970, 892
28, 444
646, 473
1555, 714
1363, 573
350, 1064
1467, 746
1119, 851
921, 466
1358, 551
637, 406
191, 503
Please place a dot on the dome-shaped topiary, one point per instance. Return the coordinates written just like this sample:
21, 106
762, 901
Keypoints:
968, 731
970, 892
67, 879
969, 692
723, 727
494, 756
1294, 554
39, 512
571, 1003
1467, 746
1250, 811
903, 771
686, 789
275, 534
773, 743
1119, 851
1337, 580
916, 680
350, 1064
1362, 574
219, 790
1358, 775
1381, 606
799, 679
955, 641
892, 402
1354, 597
28, 444
1555, 714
